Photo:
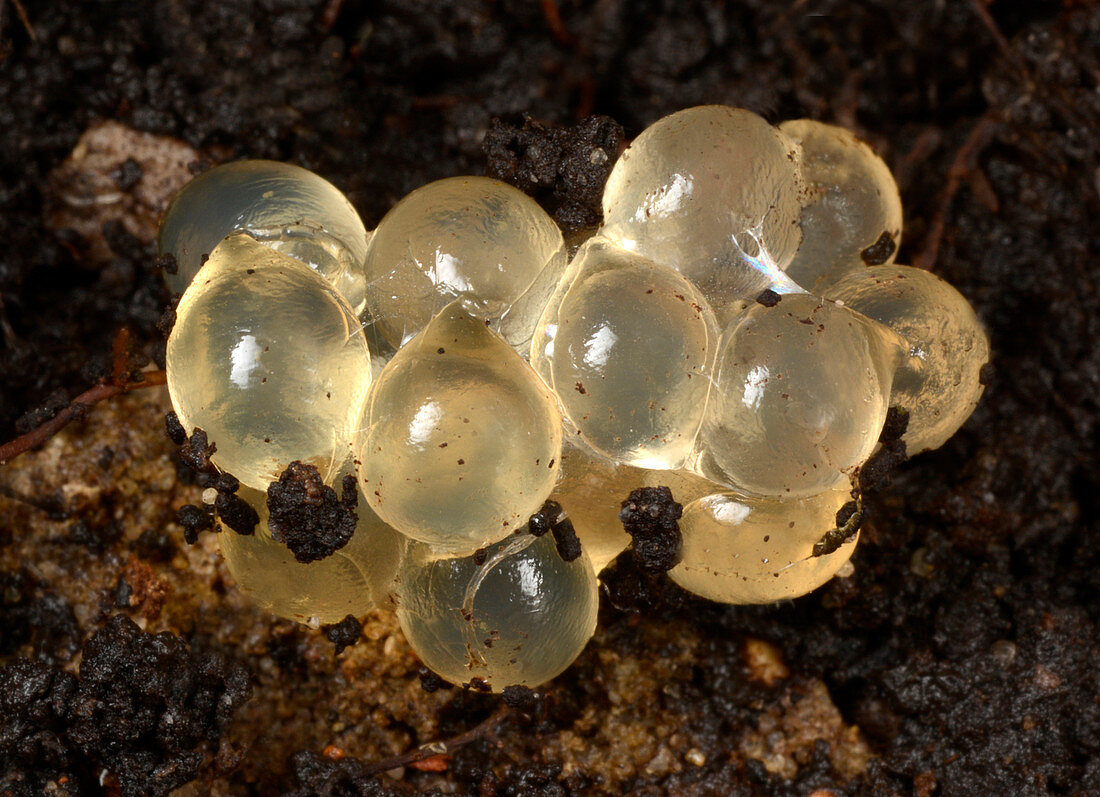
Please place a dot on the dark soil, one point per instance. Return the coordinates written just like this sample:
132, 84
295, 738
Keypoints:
966, 644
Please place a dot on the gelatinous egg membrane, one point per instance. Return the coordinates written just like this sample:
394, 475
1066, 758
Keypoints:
468, 238
521, 617
800, 396
746, 549
630, 356
851, 201
355, 579
939, 381
269, 360
289, 208
460, 440
713, 192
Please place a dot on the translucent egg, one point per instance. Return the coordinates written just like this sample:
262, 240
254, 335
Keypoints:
741, 549
468, 238
713, 192
355, 579
267, 358
520, 618
801, 395
461, 440
851, 200
591, 491
289, 208
630, 357
939, 382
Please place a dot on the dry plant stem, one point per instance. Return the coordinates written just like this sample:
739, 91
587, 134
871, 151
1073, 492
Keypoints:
552, 14
964, 163
483, 730
24, 19
329, 15
77, 408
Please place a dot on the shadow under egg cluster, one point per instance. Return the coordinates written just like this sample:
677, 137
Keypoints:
736, 330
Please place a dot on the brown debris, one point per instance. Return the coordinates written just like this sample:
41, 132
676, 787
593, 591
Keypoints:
343, 634
880, 251
650, 516
307, 515
148, 590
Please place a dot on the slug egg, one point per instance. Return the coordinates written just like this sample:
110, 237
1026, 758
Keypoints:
939, 381
744, 549
521, 617
468, 238
630, 356
291, 209
590, 490
353, 580
713, 192
269, 360
800, 397
851, 202
461, 440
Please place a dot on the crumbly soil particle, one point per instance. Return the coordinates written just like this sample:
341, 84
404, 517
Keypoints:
307, 515
957, 658
344, 634
650, 515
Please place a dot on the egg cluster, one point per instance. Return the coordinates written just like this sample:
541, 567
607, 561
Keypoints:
735, 330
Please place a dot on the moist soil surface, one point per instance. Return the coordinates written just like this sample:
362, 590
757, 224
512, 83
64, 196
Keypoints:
958, 658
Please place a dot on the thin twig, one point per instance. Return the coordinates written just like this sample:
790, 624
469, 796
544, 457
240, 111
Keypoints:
981, 8
120, 356
51, 506
480, 731
552, 14
329, 15
24, 19
965, 160
77, 408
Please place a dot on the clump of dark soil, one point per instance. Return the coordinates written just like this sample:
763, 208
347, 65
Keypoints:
141, 708
563, 167
307, 516
650, 515
343, 634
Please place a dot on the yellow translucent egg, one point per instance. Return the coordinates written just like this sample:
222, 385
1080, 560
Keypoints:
469, 238
353, 580
461, 441
743, 549
520, 618
269, 360
631, 356
851, 200
713, 192
591, 491
289, 208
801, 395
939, 381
